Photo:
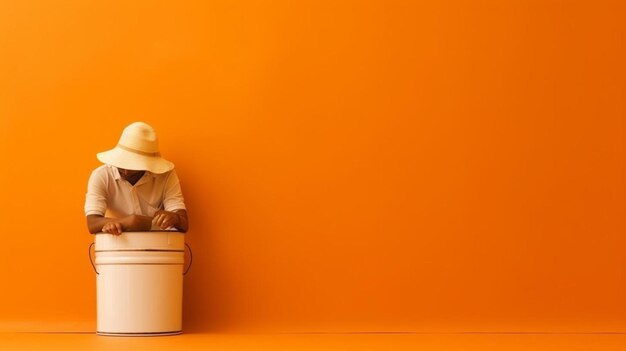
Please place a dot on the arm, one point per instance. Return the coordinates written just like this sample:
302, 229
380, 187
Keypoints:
177, 219
174, 213
183, 224
132, 223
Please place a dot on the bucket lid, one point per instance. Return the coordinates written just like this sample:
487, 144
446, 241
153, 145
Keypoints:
163, 240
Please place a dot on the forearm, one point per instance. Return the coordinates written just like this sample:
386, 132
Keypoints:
183, 221
96, 222
132, 223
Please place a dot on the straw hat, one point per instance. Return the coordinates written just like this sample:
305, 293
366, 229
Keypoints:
137, 150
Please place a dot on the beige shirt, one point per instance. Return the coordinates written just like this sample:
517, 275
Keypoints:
109, 195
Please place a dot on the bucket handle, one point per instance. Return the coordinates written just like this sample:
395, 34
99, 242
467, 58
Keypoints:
91, 260
185, 273
190, 259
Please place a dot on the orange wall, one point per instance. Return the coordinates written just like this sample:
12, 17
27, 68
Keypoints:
348, 165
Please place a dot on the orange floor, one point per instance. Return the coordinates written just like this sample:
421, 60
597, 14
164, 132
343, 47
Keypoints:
241, 342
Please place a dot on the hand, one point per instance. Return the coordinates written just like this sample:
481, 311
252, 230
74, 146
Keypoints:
114, 228
165, 219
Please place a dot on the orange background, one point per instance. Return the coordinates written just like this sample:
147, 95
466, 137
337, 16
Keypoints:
347, 165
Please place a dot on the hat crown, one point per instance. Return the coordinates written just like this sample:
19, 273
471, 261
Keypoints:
140, 136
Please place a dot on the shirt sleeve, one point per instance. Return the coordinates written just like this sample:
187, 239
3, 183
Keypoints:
95, 200
172, 194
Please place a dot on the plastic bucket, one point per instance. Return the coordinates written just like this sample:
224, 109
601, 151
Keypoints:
139, 283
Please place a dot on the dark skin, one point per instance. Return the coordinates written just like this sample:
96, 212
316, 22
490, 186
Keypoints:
137, 223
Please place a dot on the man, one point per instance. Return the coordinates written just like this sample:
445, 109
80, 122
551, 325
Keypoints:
136, 189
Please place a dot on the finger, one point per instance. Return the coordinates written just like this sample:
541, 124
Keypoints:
166, 223
118, 226
166, 219
110, 228
162, 218
155, 220
105, 229
172, 220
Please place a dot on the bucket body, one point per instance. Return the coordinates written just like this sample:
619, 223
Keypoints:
140, 283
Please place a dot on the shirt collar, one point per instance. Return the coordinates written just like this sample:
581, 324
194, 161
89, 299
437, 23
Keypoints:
117, 176
116, 173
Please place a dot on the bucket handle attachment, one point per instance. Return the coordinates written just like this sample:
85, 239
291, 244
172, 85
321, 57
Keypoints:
190, 259
91, 260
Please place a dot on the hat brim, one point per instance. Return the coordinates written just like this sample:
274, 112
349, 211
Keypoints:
121, 158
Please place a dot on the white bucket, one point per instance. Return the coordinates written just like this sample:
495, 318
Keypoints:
139, 283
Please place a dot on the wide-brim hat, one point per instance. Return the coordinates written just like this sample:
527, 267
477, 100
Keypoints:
137, 150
